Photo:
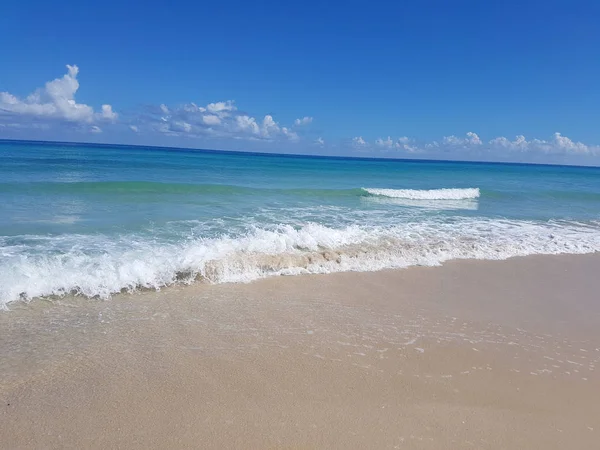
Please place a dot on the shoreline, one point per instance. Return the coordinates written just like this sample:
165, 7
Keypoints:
470, 354
279, 265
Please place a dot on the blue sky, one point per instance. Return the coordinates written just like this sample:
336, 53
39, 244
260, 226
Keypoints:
423, 73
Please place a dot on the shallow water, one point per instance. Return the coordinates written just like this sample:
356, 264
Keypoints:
96, 220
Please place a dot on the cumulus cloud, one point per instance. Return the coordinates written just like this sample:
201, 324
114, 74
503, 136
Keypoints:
55, 102
304, 121
388, 143
269, 127
402, 143
407, 144
358, 141
520, 143
559, 144
55, 105
471, 146
247, 125
108, 113
220, 107
215, 120
211, 119
470, 139
292, 135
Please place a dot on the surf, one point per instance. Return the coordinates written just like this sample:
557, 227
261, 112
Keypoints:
100, 266
426, 194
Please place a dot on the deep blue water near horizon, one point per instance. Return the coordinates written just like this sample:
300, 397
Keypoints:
95, 220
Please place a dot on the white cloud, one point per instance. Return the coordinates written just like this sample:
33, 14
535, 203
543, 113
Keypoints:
565, 144
559, 144
220, 107
54, 102
304, 121
292, 135
211, 119
473, 147
470, 139
215, 120
269, 127
407, 144
247, 124
108, 113
402, 143
520, 143
388, 143
182, 126
358, 141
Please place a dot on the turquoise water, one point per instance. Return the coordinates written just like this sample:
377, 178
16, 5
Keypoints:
96, 220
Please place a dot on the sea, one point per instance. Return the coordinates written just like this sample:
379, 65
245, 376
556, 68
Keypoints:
97, 220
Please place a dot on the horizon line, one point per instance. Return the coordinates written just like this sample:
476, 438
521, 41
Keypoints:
295, 155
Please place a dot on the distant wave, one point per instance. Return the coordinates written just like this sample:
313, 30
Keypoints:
159, 188
426, 194
147, 187
99, 265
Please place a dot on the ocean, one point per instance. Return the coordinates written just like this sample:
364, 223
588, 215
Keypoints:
81, 219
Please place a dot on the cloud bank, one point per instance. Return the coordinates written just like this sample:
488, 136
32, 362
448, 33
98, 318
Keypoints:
471, 143
403, 143
215, 120
54, 108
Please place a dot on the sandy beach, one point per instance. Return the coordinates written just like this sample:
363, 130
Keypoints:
473, 354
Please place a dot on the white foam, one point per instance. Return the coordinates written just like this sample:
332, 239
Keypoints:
98, 266
426, 194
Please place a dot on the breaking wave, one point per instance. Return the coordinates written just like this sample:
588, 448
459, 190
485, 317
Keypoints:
100, 265
154, 188
426, 194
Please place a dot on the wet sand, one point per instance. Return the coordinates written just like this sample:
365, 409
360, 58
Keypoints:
474, 354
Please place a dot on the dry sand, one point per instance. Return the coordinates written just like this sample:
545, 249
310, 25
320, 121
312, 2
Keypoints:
474, 354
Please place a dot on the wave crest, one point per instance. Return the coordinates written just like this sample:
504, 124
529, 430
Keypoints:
99, 266
426, 194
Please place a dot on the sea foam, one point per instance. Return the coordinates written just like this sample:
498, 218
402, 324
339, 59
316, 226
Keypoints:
426, 194
99, 266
